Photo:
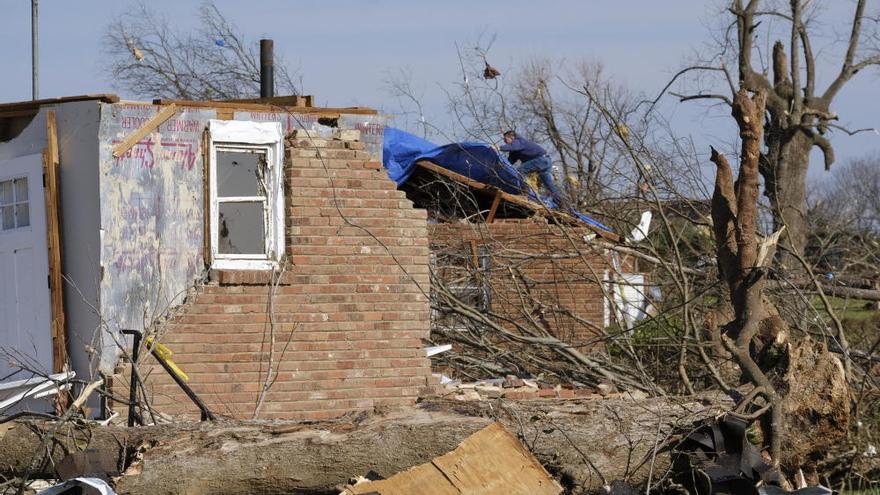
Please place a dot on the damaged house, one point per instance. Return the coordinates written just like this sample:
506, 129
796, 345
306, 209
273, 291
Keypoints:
265, 255
507, 261
261, 243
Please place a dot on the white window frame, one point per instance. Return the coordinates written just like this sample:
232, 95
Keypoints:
235, 135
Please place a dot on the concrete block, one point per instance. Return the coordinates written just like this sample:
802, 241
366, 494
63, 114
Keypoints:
347, 134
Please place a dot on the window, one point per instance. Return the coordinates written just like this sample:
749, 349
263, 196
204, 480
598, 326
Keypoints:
464, 272
14, 208
246, 194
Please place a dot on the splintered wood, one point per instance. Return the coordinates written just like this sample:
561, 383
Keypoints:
489, 462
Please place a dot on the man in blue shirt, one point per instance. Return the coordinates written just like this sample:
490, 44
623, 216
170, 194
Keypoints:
534, 159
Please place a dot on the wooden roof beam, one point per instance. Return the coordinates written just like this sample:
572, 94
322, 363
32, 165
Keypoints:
262, 107
516, 199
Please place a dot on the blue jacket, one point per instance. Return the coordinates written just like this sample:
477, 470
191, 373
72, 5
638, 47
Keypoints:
523, 150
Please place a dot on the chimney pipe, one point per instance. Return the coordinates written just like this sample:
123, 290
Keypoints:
267, 69
35, 52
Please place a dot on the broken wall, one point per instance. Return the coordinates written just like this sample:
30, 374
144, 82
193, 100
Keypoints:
152, 217
348, 308
524, 270
370, 127
152, 229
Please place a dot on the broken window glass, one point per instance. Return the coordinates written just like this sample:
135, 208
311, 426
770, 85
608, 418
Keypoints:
241, 173
242, 228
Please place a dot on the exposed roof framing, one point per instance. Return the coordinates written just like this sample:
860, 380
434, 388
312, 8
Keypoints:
284, 101
535, 207
268, 107
294, 104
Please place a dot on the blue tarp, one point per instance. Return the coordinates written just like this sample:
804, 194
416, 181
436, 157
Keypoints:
401, 150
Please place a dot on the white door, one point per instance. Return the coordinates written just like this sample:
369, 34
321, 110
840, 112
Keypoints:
25, 310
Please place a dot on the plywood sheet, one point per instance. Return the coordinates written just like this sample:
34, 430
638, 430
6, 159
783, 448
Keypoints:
489, 462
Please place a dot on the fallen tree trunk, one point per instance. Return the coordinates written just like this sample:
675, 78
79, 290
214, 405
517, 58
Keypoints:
587, 442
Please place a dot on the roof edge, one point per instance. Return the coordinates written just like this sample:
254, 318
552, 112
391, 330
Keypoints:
36, 104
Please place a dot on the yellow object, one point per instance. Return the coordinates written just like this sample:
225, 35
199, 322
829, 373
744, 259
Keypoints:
164, 353
533, 181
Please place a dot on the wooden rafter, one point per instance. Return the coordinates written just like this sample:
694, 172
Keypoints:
286, 101
494, 208
537, 208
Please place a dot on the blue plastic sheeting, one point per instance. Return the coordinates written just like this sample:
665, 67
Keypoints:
480, 162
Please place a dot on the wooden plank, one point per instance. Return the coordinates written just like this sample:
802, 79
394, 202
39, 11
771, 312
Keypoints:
24, 105
259, 107
537, 208
148, 127
53, 233
289, 101
494, 209
206, 194
489, 462
225, 114
454, 176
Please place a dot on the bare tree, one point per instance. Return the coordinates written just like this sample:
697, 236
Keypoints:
844, 227
149, 57
761, 340
800, 112
544, 105
757, 337
851, 199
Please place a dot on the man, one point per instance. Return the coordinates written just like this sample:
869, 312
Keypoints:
534, 159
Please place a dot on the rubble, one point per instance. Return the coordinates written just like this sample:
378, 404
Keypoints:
512, 387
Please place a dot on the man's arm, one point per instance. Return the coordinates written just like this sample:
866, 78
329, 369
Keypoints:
516, 145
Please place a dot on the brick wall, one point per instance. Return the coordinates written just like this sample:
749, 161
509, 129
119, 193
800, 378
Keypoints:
349, 312
531, 272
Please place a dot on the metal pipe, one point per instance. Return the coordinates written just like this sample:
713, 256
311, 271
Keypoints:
267, 69
207, 415
35, 55
133, 416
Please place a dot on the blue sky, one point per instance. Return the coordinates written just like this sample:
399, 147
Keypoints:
345, 48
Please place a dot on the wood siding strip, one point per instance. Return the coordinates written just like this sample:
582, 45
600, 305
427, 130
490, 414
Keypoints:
261, 107
53, 233
148, 127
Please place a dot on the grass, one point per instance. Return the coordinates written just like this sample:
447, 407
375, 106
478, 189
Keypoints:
846, 309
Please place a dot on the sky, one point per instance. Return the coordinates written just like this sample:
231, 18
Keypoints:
345, 49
